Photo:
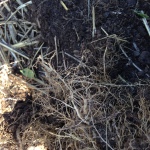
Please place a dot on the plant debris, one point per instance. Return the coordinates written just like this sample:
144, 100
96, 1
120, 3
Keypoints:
74, 75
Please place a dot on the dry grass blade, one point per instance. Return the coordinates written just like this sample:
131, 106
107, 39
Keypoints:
89, 5
93, 19
146, 23
9, 22
1, 3
25, 44
13, 50
3, 57
20, 7
63, 4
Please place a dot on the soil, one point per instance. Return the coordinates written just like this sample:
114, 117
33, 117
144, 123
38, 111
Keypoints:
69, 33
73, 31
23, 113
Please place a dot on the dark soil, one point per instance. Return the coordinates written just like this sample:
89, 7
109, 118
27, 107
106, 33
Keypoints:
26, 112
73, 31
